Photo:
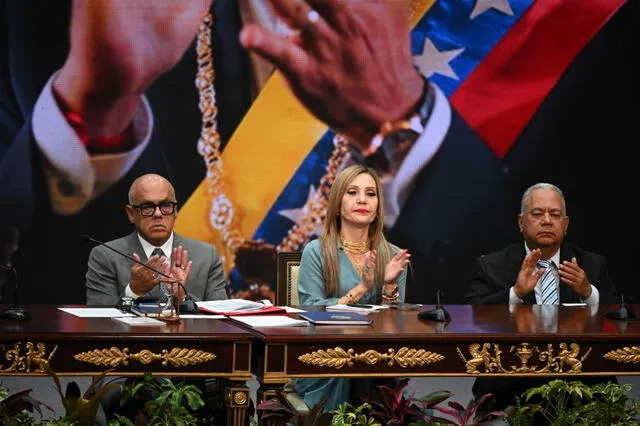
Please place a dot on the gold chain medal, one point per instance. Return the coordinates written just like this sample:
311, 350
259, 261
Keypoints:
222, 215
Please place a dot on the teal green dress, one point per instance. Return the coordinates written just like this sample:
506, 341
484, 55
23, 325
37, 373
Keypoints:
311, 292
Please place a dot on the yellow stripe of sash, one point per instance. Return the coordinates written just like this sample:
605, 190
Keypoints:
260, 159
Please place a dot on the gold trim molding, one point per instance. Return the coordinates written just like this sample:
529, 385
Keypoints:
566, 361
33, 361
113, 357
627, 355
338, 357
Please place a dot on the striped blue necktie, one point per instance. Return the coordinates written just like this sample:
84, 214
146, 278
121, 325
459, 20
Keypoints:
548, 283
164, 291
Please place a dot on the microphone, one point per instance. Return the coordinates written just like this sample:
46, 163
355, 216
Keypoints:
624, 312
15, 312
439, 313
188, 305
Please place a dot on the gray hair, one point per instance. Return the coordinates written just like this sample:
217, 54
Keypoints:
541, 185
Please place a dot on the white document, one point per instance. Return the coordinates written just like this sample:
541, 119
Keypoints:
232, 305
291, 310
95, 312
139, 321
361, 309
271, 321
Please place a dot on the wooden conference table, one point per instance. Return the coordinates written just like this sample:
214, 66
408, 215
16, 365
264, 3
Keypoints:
490, 340
77, 346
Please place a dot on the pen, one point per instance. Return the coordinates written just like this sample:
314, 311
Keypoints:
357, 305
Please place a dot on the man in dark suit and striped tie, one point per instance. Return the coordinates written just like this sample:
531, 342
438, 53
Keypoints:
544, 269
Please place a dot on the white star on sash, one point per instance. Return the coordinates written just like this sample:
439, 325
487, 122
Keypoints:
296, 215
484, 5
434, 61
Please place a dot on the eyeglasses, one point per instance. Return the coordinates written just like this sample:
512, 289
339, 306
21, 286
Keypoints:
148, 209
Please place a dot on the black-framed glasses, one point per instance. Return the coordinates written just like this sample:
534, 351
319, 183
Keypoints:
148, 209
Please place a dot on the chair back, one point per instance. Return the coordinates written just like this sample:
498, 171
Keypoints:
287, 278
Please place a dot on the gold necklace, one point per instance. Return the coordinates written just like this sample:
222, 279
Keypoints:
355, 247
222, 210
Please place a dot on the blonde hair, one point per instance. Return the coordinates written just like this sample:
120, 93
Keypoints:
331, 234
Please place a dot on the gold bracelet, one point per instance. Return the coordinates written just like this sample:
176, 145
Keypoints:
389, 289
391, 295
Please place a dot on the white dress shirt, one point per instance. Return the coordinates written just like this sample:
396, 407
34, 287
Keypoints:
74, 177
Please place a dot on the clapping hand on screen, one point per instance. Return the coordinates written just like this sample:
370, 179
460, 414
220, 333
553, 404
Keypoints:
350, 64
117, 49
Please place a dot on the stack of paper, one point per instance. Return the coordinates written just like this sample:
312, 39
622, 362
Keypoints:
271, 321
361, 309
95, 312
139, 321
232, 307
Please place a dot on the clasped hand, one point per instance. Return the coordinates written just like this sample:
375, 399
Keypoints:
570, 273
144, 279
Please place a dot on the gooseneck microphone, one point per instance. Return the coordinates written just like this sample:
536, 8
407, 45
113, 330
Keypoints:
188, 305
15, 312
624, 312
439, 313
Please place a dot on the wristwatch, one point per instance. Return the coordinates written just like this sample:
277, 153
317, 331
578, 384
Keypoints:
390, 293
391, 145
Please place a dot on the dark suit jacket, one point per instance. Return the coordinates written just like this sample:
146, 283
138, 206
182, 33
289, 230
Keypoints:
494, 274
33, 45
109, 273
579, 139
455, 212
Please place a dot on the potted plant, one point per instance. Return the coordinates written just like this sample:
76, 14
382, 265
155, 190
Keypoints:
573, 403
162, 402
15, 408
277, 413
475, 413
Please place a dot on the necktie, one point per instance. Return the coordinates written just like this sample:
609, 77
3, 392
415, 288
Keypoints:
548, 283
164, 292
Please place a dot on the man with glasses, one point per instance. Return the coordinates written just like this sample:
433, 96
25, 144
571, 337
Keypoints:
152, 209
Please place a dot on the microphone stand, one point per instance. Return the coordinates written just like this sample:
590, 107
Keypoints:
15, 312
439, 313
624, 312
174, 317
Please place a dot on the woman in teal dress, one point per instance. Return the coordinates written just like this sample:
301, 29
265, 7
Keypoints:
350, 263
